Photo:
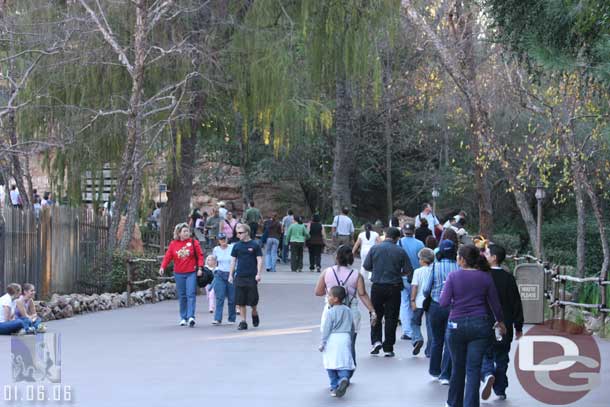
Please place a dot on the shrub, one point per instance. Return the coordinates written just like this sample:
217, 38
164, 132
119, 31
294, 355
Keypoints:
559, 242
511, 243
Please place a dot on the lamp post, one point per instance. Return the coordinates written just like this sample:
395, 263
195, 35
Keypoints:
435, 195
540, 195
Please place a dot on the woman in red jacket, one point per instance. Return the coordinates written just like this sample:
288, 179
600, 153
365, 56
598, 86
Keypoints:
188, 257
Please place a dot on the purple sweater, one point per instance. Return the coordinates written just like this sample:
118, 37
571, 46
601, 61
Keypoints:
468, 292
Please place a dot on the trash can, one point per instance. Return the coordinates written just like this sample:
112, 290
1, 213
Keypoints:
530, 281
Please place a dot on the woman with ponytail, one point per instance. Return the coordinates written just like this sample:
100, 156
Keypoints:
366, 240
470, 291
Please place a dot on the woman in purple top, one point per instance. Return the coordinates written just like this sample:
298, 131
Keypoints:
471, 292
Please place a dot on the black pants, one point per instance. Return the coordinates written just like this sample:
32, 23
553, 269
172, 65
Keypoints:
315, 256
386, 301
253, 230
296, 260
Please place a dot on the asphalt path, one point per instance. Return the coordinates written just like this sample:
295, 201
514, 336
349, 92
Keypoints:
140, 357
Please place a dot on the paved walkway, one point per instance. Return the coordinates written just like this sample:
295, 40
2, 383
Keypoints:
139, 357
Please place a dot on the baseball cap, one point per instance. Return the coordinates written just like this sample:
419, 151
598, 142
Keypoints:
446, 246
221, 236
221, 203
408, 228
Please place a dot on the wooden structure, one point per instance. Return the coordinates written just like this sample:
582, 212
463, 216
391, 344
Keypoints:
58, 249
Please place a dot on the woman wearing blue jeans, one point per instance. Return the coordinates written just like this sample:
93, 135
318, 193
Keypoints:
187, 256
222, 287
468, 291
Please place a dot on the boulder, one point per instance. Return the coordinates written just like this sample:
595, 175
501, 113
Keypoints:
67, 312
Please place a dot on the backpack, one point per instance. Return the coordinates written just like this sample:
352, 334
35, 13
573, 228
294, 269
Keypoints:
347, 301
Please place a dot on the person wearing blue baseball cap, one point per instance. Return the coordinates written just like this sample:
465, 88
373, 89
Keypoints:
440, 359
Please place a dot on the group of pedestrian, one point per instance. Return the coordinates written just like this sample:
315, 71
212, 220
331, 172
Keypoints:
18, 312
469, 302
236, 268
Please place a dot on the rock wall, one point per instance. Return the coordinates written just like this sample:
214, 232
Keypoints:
66, 306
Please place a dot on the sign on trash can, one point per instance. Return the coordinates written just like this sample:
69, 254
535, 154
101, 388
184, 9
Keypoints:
530, 281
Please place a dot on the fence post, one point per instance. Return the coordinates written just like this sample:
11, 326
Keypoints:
563, 298
603, 293
129, 282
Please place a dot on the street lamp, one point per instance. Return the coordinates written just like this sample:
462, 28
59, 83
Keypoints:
435, 195
540, 195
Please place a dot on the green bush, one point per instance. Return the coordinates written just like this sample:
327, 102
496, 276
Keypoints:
511, 243
118, 275
559, 243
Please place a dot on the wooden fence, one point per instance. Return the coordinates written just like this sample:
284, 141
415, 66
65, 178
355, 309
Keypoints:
60, 249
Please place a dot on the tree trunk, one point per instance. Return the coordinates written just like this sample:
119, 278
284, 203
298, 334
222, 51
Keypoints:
526, 214
134, 123
182, 169
580, 236
28, 178
341, 188
17, 170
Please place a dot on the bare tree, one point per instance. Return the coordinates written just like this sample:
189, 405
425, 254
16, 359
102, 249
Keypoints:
147, 118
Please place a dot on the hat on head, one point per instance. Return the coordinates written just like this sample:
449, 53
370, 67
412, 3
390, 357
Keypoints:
408, 229
221, 203
446, 246
221, 236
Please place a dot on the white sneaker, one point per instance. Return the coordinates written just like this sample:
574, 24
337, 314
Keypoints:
215, 322
182, 322
487, 386
191, 322
444, 382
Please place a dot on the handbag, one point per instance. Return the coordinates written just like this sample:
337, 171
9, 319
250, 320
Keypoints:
428, 298
206, 276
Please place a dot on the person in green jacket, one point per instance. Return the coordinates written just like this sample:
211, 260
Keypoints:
296, 236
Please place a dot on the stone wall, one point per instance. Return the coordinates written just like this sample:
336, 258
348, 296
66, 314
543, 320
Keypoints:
66, 306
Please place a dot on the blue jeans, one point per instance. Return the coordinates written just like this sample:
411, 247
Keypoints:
416, 325
336, 376
271, 253
428, 350
495, 362
285, 251
223, 290
27, 323
11, 327
186, 285
468, 338
405, 308
440, 358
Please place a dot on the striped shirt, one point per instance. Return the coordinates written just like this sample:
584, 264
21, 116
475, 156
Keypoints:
440, 270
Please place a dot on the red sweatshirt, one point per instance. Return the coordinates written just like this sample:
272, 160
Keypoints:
183, 255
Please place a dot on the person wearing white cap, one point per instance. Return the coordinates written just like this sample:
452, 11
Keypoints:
222, 211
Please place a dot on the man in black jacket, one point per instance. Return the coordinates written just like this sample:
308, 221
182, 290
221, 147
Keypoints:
389, 263
495, 361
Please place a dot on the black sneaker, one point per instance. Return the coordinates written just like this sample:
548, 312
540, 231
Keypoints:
255, 320
405, 337
243, 325
417, 347
340, 392
376, 348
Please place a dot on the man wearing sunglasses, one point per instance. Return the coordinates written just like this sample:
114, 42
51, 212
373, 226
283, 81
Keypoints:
245, 274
